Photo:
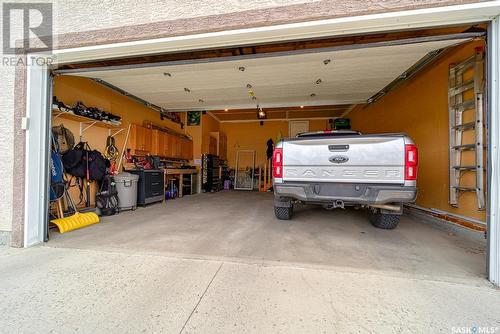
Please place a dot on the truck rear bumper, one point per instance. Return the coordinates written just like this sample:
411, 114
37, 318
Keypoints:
349, 193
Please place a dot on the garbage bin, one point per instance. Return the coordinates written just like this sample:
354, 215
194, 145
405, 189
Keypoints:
126, 185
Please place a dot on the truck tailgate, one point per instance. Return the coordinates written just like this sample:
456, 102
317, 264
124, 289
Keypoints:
353, 159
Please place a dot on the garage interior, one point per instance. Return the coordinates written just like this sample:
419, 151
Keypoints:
200, 123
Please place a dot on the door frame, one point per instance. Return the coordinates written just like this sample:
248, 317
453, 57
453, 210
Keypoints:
296, 122
493, 168
37, 96
36, 124
237, 166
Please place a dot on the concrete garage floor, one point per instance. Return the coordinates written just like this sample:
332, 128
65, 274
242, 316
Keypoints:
220, 263
241, 226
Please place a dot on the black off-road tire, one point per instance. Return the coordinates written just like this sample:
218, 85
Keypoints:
283, 213
384, 220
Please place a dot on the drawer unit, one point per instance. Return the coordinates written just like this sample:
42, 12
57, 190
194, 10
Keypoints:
150, 188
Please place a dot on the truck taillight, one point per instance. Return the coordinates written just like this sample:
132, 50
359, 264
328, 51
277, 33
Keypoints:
411, 162
278, 163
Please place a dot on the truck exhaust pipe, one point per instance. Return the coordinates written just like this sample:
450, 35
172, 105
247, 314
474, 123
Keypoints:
388, 207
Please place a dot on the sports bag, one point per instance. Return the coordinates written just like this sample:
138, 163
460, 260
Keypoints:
84, 162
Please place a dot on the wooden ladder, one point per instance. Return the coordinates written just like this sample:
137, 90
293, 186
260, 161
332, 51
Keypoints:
265, 176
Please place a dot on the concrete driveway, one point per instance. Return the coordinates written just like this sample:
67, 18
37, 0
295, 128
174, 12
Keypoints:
221, 264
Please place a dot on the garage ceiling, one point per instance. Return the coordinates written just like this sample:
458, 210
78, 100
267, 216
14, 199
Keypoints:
338, 77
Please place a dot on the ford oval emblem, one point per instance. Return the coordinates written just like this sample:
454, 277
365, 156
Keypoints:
339, 159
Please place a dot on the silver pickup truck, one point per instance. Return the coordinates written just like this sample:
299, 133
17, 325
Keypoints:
342, 168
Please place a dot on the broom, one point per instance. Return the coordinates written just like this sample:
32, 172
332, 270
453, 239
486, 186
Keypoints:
77, 220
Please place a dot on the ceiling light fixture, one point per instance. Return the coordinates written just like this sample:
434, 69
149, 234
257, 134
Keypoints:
241, 68
327, 61
301, 107
261, 114
226, 109
187, 90
318, 81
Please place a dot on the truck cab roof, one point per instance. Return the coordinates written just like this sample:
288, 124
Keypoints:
329, 133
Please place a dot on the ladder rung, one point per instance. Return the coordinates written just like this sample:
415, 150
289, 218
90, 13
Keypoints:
464, 66
465, 188
468, 63
470, 104
464, 147
465, 126
465, 167
461, 88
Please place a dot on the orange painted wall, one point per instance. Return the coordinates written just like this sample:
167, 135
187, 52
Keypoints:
70, 89
419, 107
196, 133
253, 136
209, 124
200, 134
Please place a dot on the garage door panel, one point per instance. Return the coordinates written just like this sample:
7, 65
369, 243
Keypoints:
349, 75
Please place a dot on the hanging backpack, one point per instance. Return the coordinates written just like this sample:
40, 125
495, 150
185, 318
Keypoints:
64, 137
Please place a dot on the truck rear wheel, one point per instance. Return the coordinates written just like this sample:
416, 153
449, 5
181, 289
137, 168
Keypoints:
283, 213
384, 220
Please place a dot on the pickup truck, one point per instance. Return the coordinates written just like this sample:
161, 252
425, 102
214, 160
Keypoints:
342, 168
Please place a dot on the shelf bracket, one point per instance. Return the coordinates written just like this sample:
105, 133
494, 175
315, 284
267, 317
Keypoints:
56, 116
112, 132
84, 126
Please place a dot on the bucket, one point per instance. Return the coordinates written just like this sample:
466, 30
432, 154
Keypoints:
126, 185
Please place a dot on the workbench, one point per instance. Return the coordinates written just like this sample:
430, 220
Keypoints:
180, 172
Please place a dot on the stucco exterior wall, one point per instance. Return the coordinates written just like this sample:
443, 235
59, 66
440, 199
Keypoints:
81, 23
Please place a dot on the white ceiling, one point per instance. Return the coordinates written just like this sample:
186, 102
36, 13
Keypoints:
352, 76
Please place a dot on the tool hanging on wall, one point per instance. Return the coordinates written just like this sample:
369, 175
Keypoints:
87, 189
111, 153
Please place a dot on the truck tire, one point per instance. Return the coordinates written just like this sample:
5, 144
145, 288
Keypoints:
384, 220
283, 213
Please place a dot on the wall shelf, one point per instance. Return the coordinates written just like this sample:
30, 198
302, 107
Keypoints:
87, 123
82, 119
